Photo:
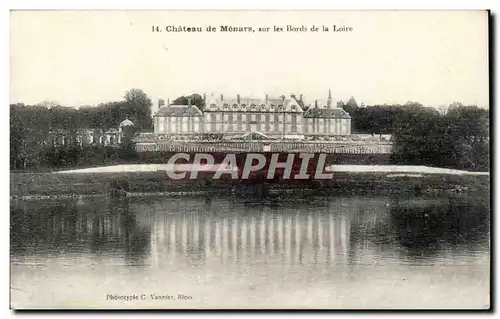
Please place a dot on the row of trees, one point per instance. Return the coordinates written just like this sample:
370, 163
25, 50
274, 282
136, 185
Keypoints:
136, 105
455, 138
30, 127
196, 99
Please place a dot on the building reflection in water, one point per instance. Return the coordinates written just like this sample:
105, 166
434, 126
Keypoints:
248, 234
328, 231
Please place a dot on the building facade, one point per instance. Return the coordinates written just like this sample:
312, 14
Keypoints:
270, 116
178, 119
90, 136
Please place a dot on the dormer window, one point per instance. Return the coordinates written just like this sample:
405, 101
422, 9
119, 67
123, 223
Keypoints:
226, 106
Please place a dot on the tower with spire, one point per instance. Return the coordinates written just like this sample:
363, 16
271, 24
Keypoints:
329, 103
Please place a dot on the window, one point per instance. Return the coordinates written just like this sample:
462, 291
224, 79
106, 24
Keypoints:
294, 124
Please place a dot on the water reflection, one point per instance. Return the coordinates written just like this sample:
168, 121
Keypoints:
95, 227
335, 231
311, 242
426, 229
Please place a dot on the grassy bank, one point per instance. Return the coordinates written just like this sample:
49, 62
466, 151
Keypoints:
355, 183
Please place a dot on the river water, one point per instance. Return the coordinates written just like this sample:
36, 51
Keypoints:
334, 253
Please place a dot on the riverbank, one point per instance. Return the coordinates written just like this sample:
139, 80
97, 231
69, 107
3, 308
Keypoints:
144, 179
410, 170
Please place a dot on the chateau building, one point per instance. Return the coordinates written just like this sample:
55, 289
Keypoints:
271, 116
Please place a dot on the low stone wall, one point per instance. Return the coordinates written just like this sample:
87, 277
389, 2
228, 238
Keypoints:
269, 146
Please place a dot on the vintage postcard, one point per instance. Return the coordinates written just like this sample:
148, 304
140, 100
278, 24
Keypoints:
249, 160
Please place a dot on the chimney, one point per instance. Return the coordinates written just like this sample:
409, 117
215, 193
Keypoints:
300, 98
238, 98
267, 98
204, 97
189, 101
168, 101
316, 104
222, 98
161, 102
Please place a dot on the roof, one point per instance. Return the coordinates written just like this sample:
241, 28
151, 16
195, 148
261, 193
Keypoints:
336, 113
179, 110
253, 105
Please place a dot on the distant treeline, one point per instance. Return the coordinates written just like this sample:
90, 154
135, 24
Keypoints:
30, 127
46, 116
455, 138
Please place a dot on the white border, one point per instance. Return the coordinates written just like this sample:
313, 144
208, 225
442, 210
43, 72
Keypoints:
199, 4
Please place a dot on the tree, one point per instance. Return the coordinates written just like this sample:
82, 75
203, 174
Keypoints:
196, 99
458, 139
29, 131
469, 130
138, 107
49, 104
413, 104
352, 102
455, 105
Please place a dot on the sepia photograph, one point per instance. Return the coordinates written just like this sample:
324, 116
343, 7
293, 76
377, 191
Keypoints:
250, 159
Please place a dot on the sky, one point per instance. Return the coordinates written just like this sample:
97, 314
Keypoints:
89, 57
